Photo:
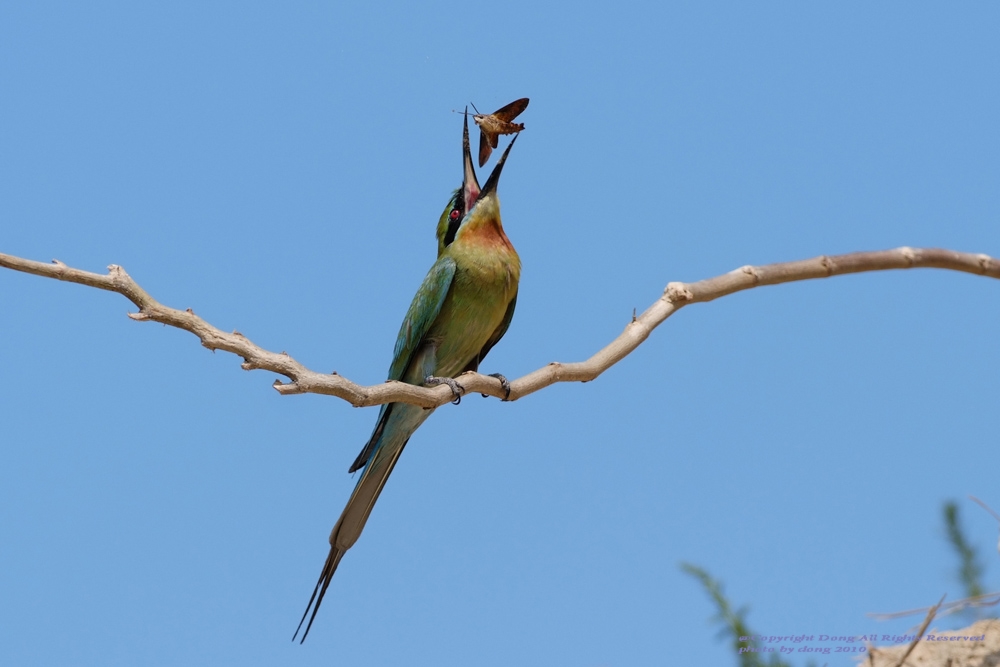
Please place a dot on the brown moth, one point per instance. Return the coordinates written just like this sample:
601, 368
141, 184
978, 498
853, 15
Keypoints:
491, 126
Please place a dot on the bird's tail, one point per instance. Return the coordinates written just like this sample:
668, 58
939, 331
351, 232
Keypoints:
403, 421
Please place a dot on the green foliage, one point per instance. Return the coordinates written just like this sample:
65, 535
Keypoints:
970, 571
734, 623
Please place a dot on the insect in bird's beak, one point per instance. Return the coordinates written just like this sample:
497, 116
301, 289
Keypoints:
491, 126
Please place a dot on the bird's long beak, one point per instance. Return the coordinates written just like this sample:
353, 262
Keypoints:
470, 184
491, 183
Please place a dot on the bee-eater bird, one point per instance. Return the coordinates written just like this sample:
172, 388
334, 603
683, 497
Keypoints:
462, 309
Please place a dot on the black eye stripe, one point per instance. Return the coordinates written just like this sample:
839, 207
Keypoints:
454, 222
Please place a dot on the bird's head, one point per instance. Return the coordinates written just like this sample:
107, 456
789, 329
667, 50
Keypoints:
462, 199
484, 214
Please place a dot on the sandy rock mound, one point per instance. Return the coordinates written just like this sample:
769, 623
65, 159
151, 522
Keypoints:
976, 646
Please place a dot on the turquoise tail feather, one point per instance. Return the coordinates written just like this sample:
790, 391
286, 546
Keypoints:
401, 420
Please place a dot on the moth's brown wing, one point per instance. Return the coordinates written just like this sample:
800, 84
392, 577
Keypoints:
484, 147
508, 128
511, 111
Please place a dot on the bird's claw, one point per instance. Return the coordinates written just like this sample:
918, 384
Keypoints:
503, 383
456, 388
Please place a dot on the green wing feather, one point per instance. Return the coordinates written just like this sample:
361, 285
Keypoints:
424, 309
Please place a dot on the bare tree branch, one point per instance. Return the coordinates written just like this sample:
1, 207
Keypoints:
984, 600
675, 296
931, 613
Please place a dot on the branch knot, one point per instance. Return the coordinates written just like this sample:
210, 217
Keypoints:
752, 272
677, 292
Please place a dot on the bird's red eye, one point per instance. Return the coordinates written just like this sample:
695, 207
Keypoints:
454, 214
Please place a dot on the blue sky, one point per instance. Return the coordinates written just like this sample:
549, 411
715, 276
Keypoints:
280, 170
